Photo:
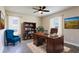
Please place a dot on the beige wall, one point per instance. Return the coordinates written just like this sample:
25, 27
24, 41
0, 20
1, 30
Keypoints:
46, 24
25, 18
2, 31
71, 35
33, 19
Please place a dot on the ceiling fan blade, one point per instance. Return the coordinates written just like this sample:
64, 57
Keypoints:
35, 11
35, 8
43, 7
46, 10
40, 7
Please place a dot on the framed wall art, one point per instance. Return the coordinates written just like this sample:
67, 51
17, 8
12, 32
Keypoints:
2, 22
71, 23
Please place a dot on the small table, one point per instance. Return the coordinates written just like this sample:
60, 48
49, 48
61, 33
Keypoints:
53, 44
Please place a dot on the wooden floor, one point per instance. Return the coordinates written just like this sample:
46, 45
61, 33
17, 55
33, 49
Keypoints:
74, 49
18, 48
23, 48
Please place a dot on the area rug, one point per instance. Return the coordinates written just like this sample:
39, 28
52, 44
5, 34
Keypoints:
42, 49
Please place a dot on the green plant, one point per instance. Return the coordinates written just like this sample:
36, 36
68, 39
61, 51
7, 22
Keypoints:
40, 29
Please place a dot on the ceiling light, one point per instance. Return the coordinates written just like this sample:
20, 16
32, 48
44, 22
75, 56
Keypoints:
40, 12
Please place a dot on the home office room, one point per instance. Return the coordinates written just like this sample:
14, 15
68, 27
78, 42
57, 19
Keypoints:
39, 29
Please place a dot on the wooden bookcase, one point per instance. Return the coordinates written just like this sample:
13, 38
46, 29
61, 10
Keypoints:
27, 30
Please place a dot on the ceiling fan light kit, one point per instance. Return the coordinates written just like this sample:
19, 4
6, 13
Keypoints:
40, 12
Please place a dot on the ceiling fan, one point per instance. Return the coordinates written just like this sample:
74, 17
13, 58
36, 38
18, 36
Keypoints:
41, 9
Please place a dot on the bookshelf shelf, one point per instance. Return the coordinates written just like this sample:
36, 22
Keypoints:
27, 30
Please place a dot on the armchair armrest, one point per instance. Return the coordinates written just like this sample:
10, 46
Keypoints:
16, 36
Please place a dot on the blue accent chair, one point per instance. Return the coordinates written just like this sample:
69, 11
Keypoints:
10, 38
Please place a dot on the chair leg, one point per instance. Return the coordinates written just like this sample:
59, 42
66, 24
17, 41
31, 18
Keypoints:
19, 40
7, 43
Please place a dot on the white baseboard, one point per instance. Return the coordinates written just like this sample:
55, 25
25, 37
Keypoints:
72, 43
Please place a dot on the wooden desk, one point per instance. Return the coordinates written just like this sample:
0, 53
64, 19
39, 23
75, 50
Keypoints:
53, 44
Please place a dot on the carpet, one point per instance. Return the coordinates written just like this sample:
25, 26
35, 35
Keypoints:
42, 49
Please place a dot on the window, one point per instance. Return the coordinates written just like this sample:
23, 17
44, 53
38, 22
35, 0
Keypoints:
56, 22
14, 24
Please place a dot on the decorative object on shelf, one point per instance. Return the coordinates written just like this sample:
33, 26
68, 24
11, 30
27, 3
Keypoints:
2, 22
31, 25
40, 29
71, 23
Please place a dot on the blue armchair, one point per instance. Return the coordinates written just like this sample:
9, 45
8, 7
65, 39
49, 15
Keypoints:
10, 38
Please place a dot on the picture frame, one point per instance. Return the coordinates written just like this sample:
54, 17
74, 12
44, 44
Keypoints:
2, 21
71, 23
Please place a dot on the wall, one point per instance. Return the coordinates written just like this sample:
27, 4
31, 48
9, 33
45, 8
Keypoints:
2, 31
33, 19
25, 18
70, 35
46, 23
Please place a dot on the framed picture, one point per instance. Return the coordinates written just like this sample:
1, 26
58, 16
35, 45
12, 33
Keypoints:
71, 23
2, 22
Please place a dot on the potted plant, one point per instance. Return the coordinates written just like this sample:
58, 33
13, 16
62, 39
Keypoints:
40, 29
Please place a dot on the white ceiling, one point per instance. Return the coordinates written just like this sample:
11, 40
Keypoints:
29, 10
